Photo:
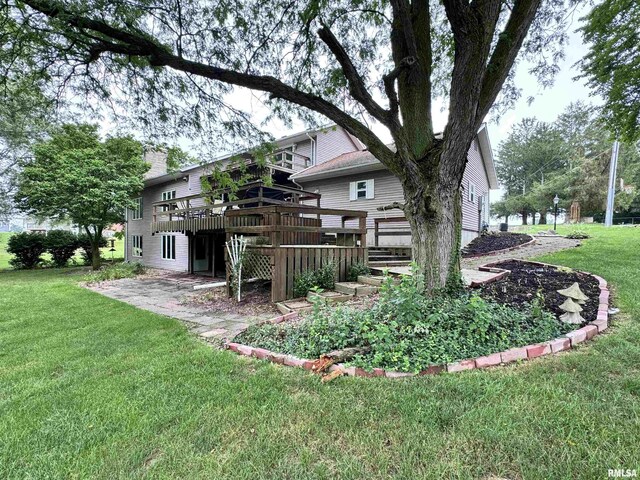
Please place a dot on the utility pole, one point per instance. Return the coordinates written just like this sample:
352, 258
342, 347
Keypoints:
611, 194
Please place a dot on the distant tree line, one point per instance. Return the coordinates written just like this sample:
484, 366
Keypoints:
569, 158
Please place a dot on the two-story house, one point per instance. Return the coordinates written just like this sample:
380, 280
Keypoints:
328, 167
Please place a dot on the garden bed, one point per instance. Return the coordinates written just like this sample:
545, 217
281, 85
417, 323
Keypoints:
528, 280
406, 333
492, 243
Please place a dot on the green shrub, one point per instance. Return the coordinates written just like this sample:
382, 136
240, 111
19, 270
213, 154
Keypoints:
324, 278
578, 235
115, 271
61, 244
85, 244
408, 331
27, 249
356, 270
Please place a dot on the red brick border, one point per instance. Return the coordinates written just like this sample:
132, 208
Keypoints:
566, 342
504, 250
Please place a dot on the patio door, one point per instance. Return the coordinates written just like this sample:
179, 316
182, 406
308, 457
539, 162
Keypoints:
202, 254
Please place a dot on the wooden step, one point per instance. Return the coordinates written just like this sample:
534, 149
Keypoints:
397, 263
295, 305
355, 288
330, 296
375, 280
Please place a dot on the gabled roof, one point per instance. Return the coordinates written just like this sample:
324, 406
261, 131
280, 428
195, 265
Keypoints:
364, 161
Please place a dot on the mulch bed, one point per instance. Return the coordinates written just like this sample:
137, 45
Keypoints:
491, 242
526, 279
256, 300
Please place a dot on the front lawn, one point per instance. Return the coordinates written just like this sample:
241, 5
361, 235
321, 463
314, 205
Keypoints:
91, 387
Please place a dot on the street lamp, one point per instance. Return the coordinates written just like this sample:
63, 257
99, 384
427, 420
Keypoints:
555, 211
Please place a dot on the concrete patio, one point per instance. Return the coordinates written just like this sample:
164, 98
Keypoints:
168, 294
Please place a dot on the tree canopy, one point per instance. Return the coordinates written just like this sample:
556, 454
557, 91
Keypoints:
612, 66
75, 176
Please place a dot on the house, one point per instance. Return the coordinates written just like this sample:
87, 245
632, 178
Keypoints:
161, 235
323, 172
357, 180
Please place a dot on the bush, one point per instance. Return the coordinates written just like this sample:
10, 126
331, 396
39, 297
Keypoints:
115, 272
85, 244
408, 331
324, 278
578, 235
356, 270
27, 248
61, 244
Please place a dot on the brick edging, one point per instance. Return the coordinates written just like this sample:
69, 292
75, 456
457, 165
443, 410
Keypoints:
504, 250
566, 342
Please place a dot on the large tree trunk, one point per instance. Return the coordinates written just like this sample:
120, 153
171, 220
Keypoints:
525, 216
436, 226
434, 211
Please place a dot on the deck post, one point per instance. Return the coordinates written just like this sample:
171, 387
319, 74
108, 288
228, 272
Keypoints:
363, 234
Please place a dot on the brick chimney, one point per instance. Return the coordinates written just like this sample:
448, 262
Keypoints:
158, 161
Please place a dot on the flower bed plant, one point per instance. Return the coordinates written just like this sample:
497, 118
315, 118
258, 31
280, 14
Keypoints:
407, 331
115, 271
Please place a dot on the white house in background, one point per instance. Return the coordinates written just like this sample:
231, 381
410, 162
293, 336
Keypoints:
328, 160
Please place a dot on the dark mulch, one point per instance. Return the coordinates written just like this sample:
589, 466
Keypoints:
525, 279
492, 242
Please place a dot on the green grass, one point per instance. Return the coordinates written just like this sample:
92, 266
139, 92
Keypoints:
94, 388
5, 256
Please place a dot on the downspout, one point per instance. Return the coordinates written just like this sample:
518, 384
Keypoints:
313, 149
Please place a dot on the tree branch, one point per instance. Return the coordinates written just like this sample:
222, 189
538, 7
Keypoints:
140, 44
505, 52
357, 88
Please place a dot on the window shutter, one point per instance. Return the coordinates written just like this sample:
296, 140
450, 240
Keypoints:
352, 191
370, 188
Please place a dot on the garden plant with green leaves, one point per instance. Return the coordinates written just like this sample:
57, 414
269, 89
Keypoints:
76, 176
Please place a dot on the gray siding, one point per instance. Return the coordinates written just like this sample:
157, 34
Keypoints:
387, 189
330, 143
152, 244
477, 174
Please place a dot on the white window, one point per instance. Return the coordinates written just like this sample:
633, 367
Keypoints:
136, 245
169, 247
136, 211
472, 192
360, 190
166, 196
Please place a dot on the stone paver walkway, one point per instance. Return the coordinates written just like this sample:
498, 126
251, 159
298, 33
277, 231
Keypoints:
543, 245
166, 295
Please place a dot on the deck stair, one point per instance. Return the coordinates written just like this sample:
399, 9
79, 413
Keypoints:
389, 256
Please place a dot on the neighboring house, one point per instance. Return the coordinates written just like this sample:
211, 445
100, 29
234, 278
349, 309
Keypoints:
328, 161
358, 181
